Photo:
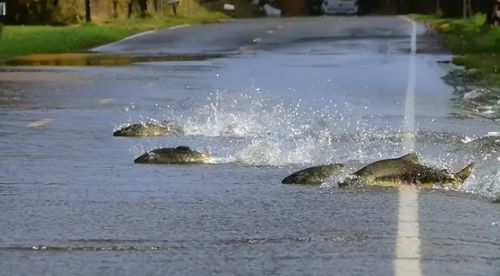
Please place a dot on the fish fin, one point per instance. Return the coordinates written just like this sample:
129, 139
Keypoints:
464, 173
411, 157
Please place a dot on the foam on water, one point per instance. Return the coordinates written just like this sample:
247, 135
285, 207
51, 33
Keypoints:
253, 128
253, 114
274, 133
486, 177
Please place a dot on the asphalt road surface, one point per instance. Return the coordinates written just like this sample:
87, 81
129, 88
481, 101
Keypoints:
265, 97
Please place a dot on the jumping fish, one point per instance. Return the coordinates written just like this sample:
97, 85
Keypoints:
313, 175
178, 155
408, 170
153, 128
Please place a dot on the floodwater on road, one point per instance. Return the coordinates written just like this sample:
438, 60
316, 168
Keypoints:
73, 202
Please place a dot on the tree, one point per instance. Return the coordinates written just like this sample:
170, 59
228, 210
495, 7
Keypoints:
130, 8
493, 8
156, 4
29, 11
390, 6
143, 6
115, 8
88, 18
467, 10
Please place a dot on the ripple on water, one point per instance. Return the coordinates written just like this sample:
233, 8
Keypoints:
151, 245
256, 129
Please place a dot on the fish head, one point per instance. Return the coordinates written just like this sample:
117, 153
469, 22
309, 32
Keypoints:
145, 158
120, 132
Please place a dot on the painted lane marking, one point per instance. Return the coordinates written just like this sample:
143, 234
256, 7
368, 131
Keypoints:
408, 242
408, 238
137, 35
179, 26
39, 123
409, 120
100, 48
105, 101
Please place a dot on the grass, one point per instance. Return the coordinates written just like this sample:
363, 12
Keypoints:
26, 40
475, 45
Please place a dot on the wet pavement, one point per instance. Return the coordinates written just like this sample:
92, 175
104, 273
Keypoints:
279, 95
95, 59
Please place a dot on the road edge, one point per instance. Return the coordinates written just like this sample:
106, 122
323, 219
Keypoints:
101, 47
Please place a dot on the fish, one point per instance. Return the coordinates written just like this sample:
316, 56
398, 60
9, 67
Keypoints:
314, 175
408, 170
153, 128
483, 145
178, 155
497, 200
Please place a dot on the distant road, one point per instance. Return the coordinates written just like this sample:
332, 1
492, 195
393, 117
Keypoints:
291, 93
235, 36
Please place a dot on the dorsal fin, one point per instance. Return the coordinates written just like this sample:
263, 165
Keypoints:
465, 172
411, 157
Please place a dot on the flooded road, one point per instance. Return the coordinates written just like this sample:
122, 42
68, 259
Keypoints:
282, 95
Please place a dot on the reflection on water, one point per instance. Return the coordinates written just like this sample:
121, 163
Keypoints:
259, 127
92, 59
104, 211
154, 245
473, 97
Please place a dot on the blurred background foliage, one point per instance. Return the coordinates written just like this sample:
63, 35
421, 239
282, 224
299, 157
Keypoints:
63, 12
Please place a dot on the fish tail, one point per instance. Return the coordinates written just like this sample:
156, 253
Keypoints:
464, 173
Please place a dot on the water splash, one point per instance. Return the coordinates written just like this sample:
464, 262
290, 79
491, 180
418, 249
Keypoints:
275, 133
486, 177
253, 128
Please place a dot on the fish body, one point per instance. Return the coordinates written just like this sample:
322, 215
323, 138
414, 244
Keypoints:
408, 170
313, 175
483, 145
159, 128
178, 155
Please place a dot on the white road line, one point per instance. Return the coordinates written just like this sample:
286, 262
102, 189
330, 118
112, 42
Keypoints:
99, 48
39, 123
409, 120
105, 101
408, 241
179, 26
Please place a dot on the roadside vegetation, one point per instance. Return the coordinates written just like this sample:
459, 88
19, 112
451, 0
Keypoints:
26, 40
476, 45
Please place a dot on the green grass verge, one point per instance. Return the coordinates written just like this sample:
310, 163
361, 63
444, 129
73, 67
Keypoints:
474, 44
26, 40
